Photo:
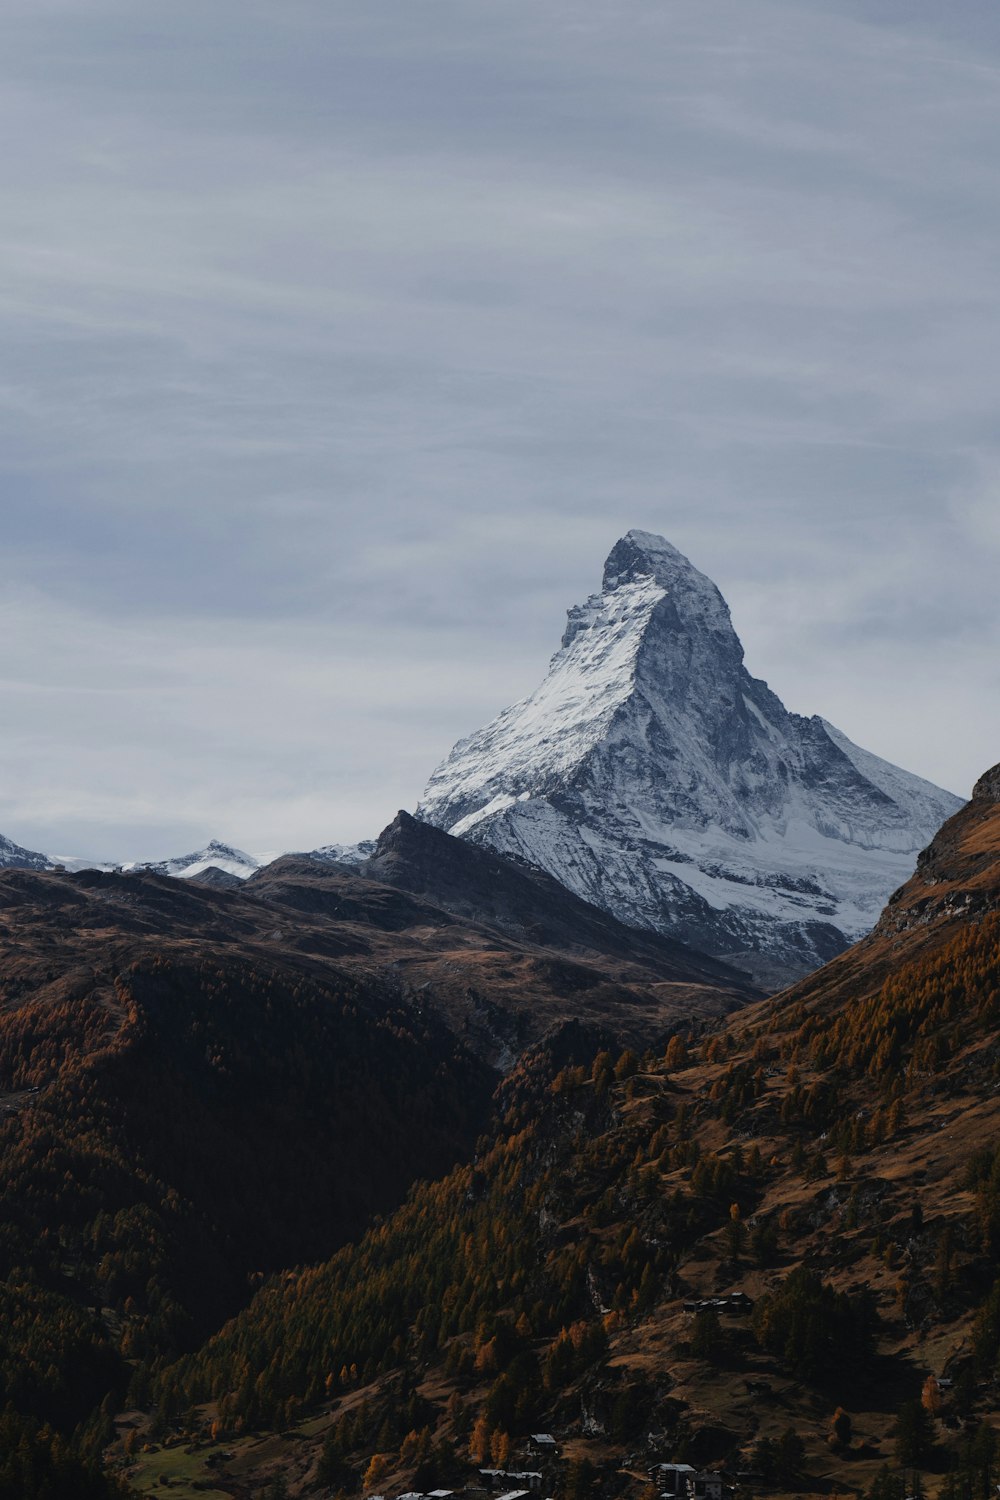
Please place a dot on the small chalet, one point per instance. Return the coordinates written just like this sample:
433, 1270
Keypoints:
733, 1302
672, 1479
543, 1443
506, 1479
683, 1482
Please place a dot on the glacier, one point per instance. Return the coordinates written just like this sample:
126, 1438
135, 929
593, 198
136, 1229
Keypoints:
656, 778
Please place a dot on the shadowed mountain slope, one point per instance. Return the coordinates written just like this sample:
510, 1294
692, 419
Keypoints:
525, 903
502, 950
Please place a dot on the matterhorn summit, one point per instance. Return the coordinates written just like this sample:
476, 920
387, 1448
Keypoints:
652, 775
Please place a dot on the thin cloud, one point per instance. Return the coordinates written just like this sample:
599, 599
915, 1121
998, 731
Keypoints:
342, 341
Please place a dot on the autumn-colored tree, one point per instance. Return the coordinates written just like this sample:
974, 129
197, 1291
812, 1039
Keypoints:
735, 1231
479, 1441
626, 1066
379, 1466
500, 1449
930, 1396
676, 1056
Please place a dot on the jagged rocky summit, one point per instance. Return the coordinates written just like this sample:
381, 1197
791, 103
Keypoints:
653, 776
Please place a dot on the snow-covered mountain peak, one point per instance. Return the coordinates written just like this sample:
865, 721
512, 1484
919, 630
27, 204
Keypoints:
651, 774
215, 855
642, 554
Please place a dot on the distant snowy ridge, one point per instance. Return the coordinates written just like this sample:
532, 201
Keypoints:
215, 855
651, 774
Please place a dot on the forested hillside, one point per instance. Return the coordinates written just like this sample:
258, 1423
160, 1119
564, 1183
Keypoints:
832, 1155
200, 1087
176, 1125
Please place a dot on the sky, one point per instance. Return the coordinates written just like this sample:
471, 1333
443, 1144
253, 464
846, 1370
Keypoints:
340, 341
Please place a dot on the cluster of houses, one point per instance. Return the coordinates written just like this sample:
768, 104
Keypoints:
684, 1482
734, 1302
503, 1484
672, 1481
497, 1484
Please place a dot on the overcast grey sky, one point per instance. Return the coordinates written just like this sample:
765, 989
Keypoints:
341, 340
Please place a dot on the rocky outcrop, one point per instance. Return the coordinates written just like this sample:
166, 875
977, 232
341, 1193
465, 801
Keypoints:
987, 788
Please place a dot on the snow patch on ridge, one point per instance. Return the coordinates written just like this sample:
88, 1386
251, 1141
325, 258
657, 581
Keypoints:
344, 854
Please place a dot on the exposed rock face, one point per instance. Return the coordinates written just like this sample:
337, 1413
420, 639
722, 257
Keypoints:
987, 788
13, 857
653, 776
